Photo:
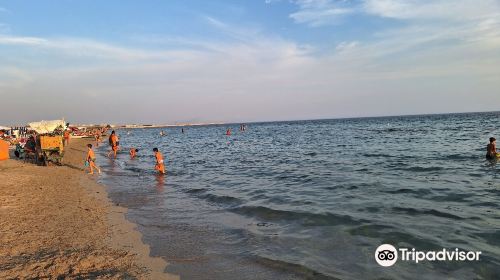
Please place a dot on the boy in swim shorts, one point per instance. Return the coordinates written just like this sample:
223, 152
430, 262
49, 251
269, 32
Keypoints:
91, 160
160, 166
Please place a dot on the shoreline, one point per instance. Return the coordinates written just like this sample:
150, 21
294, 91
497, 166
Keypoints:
59, 222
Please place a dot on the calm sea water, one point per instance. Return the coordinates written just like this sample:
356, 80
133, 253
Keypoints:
314, 199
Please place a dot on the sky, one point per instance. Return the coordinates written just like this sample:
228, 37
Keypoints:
241, 61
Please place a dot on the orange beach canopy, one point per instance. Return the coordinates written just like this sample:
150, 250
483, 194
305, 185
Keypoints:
4, 150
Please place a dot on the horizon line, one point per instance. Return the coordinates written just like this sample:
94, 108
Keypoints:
152, 125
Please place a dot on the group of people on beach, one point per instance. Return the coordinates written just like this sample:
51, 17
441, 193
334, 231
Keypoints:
114, 143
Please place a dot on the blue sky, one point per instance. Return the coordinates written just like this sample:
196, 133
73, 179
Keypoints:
231, 61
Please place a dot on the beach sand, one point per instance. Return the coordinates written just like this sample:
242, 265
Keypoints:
57, 222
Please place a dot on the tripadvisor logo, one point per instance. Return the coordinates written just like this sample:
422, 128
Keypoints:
388, 255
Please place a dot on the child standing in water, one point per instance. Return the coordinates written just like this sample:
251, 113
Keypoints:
133, 153
91, 160
97, 136
160, 166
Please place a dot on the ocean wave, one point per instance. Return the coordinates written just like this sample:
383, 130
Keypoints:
301, 271
491, 237
433, 212
200, 190
460, 157
422, 169
373, 230
221, 199
304, 218
406, 190
377, 155
485, 204
134, 169
455, 197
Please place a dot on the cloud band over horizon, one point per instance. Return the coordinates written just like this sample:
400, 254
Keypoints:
411, 57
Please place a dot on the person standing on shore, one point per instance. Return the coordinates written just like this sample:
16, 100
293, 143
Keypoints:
66, 137
491, 149
160, 166
91, 160
113, 141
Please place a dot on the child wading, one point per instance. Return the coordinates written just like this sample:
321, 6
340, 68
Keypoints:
91, 160
133, 153
160, 167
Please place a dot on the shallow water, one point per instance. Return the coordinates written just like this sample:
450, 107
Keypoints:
314, 199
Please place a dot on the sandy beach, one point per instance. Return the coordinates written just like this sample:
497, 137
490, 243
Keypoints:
57, 222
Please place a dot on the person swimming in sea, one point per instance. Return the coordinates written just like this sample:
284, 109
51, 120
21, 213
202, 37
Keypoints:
491, 149
133, 152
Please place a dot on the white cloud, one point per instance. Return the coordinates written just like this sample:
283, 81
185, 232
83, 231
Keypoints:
346, 46
82, 47
432, 9
318, 17
428, 25
320, 12
324, 12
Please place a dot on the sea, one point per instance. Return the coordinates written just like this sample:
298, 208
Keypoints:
314, 199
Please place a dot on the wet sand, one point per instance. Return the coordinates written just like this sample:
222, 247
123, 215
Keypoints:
57, 222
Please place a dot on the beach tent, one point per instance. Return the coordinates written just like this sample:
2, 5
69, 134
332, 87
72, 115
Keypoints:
43, 127
4, 150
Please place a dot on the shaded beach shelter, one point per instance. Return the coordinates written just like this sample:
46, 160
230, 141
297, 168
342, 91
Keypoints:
4, 150
43, 127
